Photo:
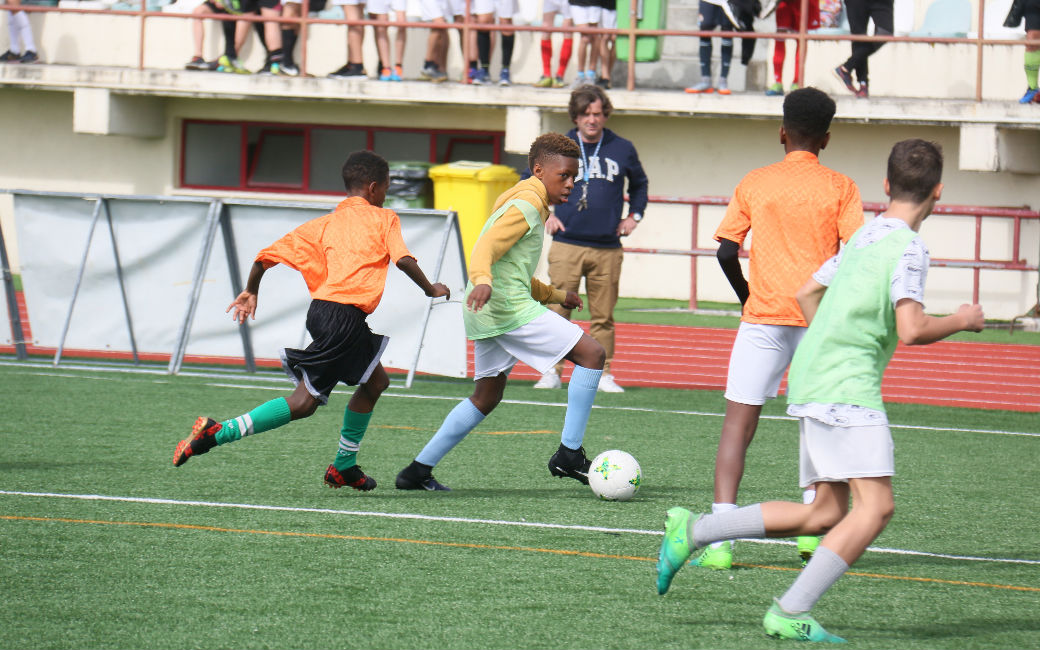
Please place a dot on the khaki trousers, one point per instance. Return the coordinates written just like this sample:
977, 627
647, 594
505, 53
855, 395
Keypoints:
601, 268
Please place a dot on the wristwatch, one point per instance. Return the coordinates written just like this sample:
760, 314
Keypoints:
636, 217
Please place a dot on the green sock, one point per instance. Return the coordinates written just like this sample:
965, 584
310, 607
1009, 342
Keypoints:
1032, 68
267, 416
354, 426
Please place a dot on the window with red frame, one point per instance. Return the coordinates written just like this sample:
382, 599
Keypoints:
269, 157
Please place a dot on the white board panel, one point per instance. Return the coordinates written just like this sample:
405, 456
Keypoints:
160, 244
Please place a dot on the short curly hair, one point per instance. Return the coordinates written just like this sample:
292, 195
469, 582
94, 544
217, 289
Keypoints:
808, 113
551, 144
364, 167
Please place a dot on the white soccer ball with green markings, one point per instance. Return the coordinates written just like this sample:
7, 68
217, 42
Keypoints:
615, 475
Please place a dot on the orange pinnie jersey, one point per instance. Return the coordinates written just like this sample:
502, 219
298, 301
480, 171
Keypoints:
797, 210
343, 256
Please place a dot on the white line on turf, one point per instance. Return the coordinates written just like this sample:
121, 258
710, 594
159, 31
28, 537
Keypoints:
280, 379
638, 409
464, 520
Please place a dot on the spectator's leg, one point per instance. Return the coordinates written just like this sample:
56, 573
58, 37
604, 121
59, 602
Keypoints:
1032, 58
882, 13
272, 34
382, 34
484, 41
565, 270
726, 56
548, 18
565, 50
858, 14
290, 33
400, 37
197, 28
508, 41
23, 27
355, 34
601, 284
779, 56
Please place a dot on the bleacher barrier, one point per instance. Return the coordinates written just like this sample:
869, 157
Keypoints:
1016, 260
147, 9
147, 280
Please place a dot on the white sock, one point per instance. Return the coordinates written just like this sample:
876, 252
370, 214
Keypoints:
823, 570
742, 522
12, 31
716, 508
21, 22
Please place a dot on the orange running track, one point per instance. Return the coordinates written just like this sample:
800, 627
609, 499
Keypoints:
947, 373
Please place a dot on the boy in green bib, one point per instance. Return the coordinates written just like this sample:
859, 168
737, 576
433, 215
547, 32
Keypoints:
507, 320
859, 304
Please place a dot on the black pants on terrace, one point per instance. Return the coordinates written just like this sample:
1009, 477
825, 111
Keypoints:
859, 12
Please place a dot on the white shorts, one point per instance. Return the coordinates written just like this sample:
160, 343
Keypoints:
386, 6
586, 15
836, 454
758, 360
446, 9
347, 2
561, 7
501, 8
541, 344
608, 19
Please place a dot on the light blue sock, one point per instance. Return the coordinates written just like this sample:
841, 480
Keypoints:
581, 391
462, 419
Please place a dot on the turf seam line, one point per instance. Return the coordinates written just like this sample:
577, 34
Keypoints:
281, 380
472, 545
638, 409
468, 520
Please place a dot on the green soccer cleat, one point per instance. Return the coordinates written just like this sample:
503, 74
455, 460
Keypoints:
717, 556
800, 627
807, 546
675, 549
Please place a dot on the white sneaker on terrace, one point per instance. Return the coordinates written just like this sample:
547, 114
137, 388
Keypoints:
608, 385
549, 380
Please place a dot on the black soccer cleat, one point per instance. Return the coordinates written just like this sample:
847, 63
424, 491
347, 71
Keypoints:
570, 462
418, 477
351, 477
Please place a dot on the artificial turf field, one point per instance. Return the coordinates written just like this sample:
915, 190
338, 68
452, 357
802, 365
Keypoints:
104, 544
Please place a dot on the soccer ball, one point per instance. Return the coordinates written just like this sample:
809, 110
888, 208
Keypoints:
614, 475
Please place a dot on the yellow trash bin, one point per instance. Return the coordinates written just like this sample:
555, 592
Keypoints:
470, 189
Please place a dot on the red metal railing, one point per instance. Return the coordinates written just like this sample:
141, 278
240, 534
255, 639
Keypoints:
975, 262
803, 36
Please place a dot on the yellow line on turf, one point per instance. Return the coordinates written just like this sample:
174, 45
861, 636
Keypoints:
484, 433
400, 540
360, 538
882, 576
510, 433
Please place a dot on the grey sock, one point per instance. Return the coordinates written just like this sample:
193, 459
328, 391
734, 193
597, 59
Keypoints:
823, 570
742, 522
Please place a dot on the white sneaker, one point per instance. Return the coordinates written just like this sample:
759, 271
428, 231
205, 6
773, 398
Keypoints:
608, 385
550, 380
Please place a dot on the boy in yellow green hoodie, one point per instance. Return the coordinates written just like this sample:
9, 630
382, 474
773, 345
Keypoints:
507, 320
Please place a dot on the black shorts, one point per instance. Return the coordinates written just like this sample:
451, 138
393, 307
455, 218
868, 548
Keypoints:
239, 7
1032, 14
344, 349
712, 16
